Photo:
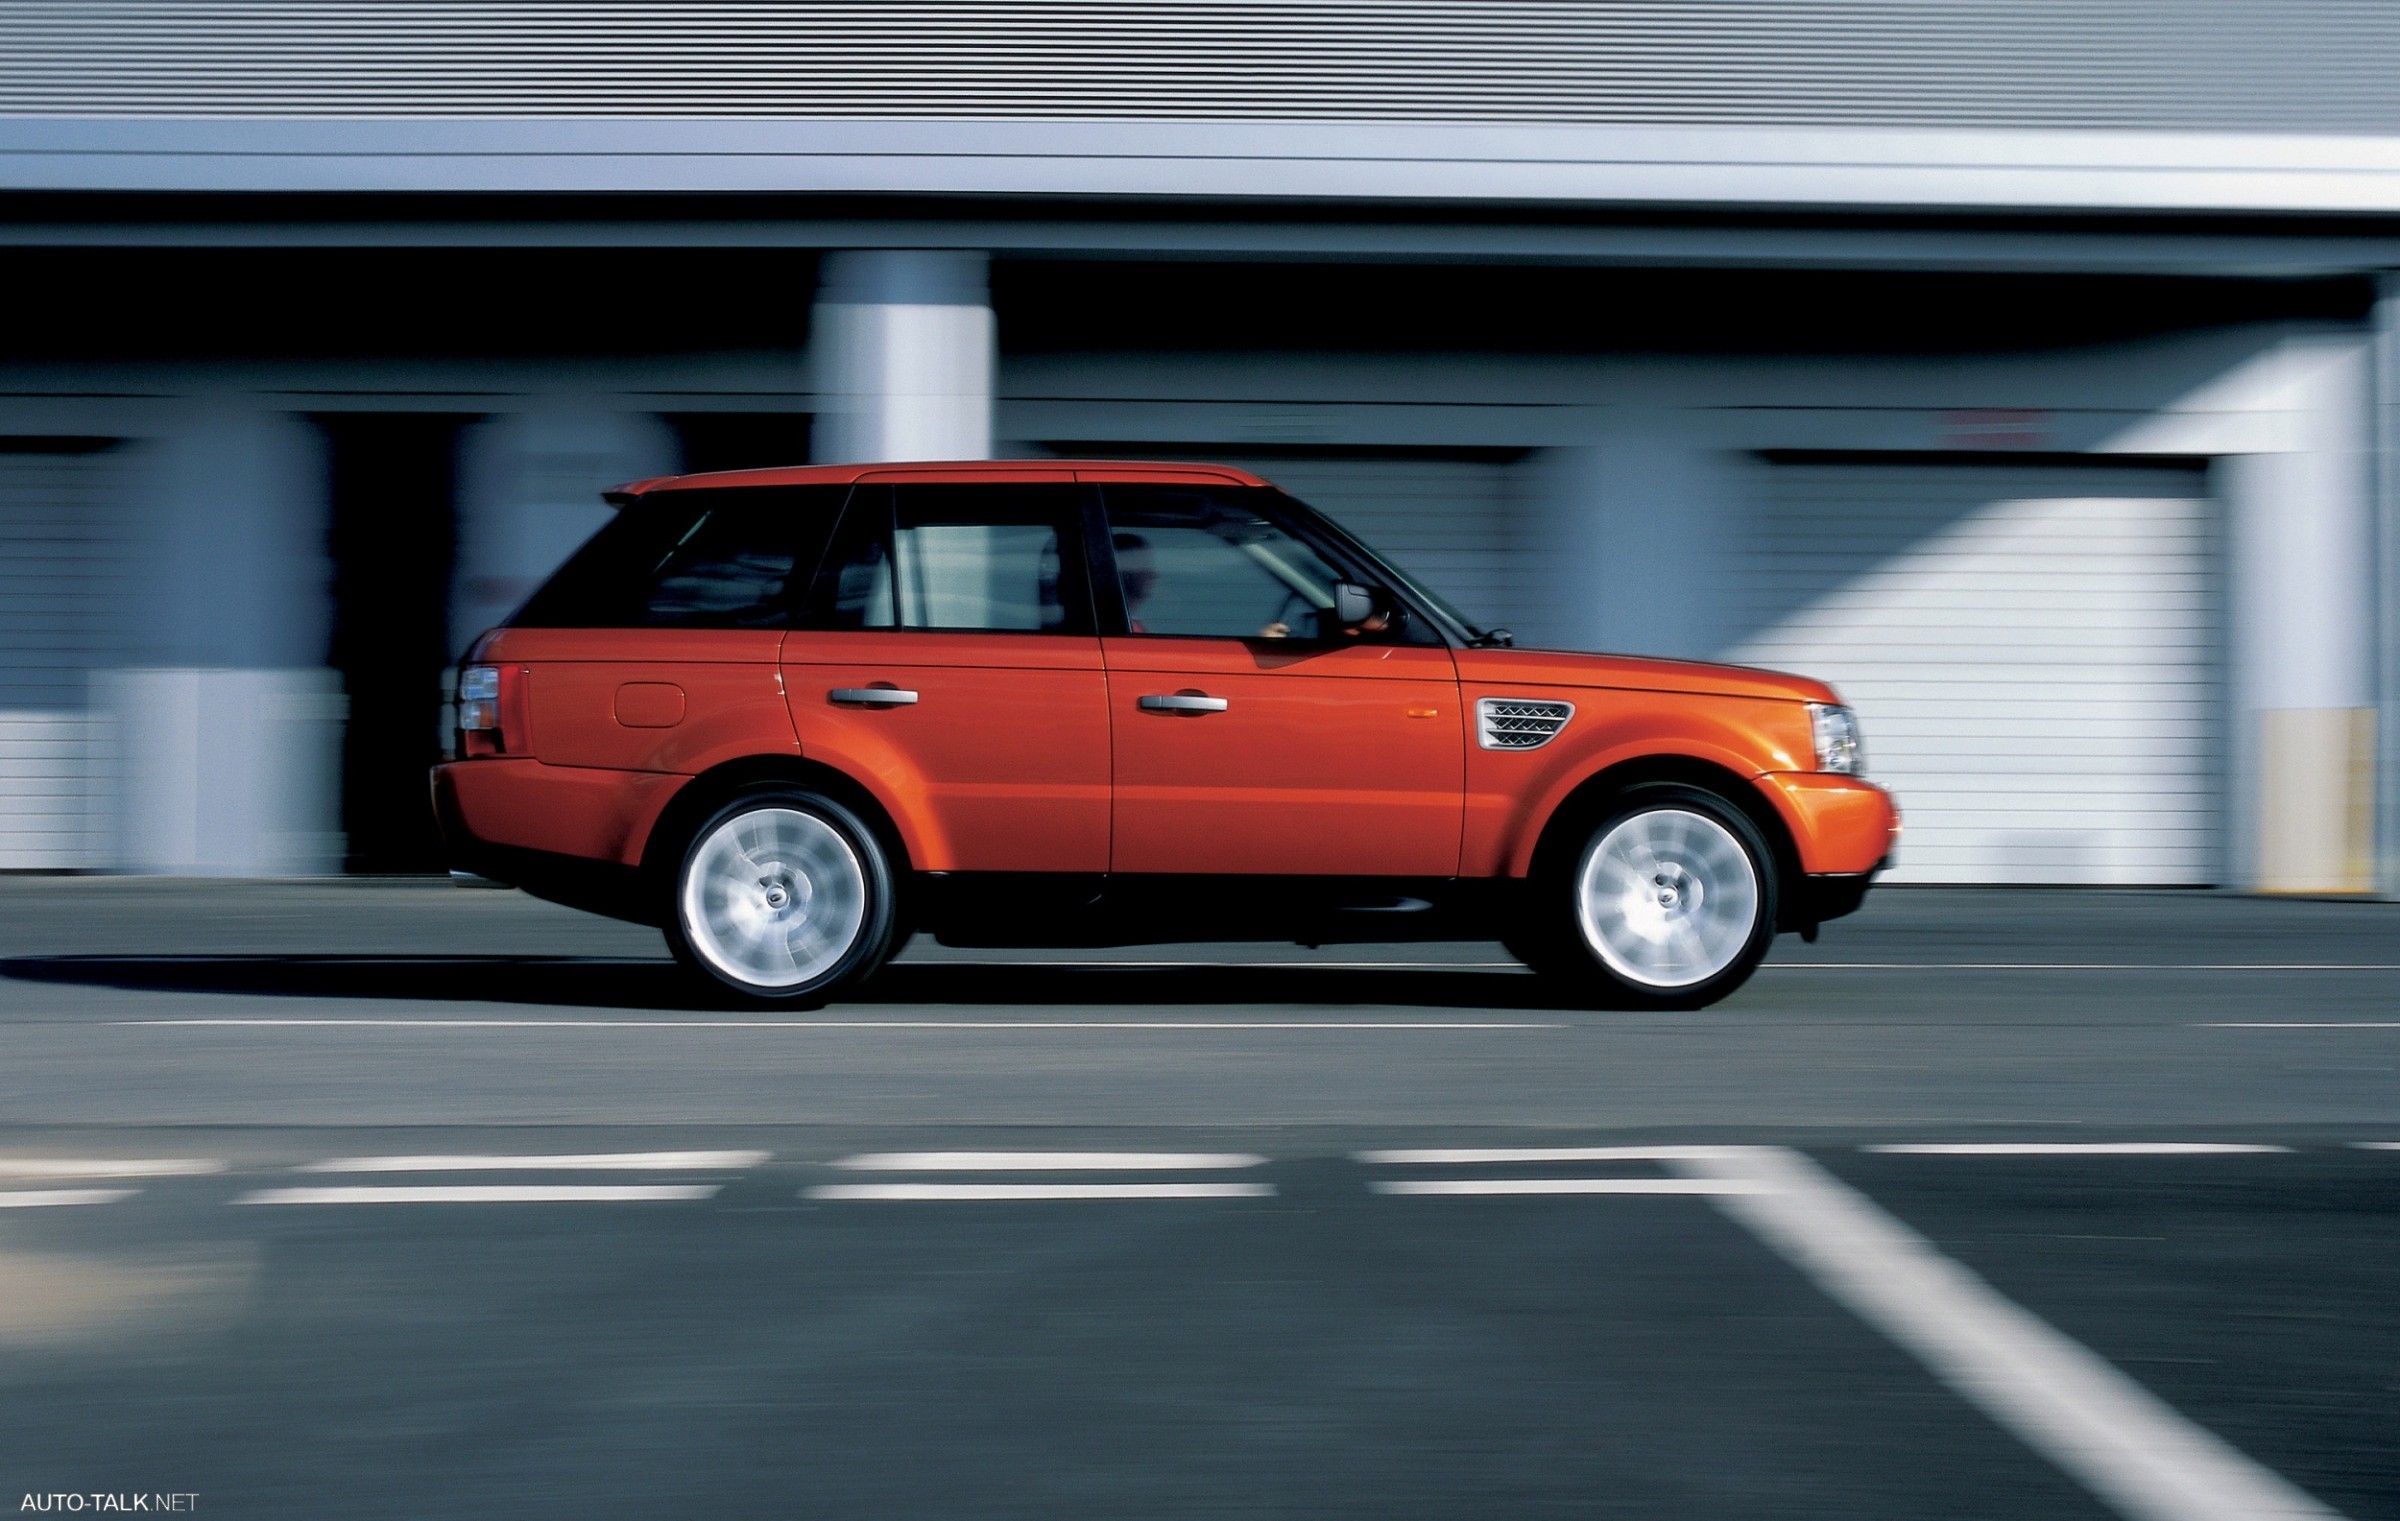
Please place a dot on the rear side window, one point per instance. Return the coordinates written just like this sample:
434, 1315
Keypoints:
984, 558
723, 557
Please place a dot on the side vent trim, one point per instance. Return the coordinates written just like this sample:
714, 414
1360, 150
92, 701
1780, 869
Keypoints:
1519, 723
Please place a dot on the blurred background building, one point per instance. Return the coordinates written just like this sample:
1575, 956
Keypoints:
2024, 367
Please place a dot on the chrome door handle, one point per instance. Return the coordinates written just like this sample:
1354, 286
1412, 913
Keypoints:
1177, 702
871, 697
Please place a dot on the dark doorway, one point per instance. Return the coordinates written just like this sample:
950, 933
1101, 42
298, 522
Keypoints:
394, 484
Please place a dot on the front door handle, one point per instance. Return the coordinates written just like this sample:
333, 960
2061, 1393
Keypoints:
871, 697
1181, 702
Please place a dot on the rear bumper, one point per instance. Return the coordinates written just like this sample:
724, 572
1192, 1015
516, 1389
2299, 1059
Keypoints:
491, 829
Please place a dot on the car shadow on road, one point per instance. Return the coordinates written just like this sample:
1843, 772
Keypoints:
614, 983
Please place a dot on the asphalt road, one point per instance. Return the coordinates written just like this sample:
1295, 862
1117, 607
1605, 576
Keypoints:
395, 1200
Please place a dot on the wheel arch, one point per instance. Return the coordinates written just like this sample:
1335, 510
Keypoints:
712, 789
1563, 832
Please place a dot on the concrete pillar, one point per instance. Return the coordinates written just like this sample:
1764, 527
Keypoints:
2384, 438
903, 346
224, 732
529, 493
2303, 621
1634, 529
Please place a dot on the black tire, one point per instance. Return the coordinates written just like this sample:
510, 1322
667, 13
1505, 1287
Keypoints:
1556, 939
816, 857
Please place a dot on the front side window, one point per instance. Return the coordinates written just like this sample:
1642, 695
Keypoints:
971, 558
1203, 563
723, 557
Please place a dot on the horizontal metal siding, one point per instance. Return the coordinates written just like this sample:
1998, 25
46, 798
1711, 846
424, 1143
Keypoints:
62, 613
2031, 652
2298, 65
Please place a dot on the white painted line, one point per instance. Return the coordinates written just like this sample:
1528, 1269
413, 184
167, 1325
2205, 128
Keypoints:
1049, 1161
616, 1161
2080, 966
2076, 1149
847, 1024
43, 1198
2377, 1145
1484, 1156
1448, 1186
2301, 1024
2106, 1431
1015, 1192
107, 1167
1217, 966
488, 1193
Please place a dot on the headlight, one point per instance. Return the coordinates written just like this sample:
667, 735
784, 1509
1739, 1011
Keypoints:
1836, 730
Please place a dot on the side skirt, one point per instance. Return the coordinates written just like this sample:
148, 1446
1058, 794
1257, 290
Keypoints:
1005, 909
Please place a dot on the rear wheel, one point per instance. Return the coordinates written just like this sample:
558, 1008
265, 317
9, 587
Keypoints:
1668, 903
782, 897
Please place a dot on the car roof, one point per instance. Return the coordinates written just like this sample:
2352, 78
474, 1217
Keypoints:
948, 470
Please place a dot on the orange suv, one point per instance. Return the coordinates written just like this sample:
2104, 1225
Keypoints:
792, 717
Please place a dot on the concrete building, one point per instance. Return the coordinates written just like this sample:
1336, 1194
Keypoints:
2027, 370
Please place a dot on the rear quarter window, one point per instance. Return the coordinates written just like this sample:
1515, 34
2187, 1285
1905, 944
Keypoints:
723, 557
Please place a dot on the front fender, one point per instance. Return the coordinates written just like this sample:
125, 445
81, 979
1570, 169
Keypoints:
1512, 795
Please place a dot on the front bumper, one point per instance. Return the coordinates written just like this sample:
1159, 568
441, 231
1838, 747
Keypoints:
1828, 897
1843, 826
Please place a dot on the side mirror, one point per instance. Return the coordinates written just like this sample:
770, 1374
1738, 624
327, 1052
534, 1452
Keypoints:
1353, 604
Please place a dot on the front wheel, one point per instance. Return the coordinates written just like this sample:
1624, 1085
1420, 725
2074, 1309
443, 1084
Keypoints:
782, 897
1669, 902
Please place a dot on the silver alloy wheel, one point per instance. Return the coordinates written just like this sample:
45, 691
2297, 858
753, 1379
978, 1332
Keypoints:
774, 897
1667, 897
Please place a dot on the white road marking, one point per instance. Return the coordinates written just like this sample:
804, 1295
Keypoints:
1218, 966
2075, 1149
1481, 1156
107, 1167
488, 1193
1684, 1186
2301, 1024
614, 1161
43, 1198
1049, 1161
847, 1024
2080, 966
2106, 1431
2377, 1145
983, 1192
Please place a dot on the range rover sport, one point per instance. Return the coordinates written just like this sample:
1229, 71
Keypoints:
792, 717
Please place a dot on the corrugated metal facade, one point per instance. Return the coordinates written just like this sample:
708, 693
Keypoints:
62, 614
2032, 650
2296, 65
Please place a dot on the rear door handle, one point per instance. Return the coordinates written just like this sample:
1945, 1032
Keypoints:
1179, 702
872, 697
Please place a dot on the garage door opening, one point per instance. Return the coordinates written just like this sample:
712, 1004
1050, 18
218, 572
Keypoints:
2033, 647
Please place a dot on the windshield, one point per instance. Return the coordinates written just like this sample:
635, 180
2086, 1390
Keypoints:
1453, 622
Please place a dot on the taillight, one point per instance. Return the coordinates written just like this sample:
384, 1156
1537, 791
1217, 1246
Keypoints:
479, 699
491, 720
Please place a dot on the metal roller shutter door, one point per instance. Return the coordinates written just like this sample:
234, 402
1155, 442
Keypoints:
2032, 650
1450, 522
60, 570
